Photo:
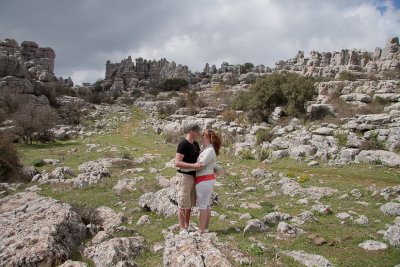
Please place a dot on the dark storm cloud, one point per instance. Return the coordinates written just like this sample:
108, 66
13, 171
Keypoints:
86, 33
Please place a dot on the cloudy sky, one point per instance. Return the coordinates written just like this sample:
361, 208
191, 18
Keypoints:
86, 33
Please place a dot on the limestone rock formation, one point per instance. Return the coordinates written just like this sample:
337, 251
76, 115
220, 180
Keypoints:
196, 251
37, 231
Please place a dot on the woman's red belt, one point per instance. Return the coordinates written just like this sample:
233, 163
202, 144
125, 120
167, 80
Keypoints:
206, 177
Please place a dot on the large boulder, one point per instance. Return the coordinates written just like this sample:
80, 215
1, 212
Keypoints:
37, 231
194, 251
386, 158
116, 250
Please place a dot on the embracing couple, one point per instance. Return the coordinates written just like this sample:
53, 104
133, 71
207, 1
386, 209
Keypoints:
196, 175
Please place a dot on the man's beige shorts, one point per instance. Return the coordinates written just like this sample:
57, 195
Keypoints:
186, 191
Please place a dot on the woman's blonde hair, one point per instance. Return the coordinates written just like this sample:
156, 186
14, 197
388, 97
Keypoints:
214, 139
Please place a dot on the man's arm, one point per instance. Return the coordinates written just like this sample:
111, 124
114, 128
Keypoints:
184, 165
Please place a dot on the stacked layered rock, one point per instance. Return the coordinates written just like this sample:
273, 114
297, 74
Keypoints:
28, 61
358, 61
128, 74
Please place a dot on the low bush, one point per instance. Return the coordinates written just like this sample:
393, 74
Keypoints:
288, 90
175, 84
263, 135
38, 163
9, 159
342, 139
34, 122
373, 143
347, 76
246, 154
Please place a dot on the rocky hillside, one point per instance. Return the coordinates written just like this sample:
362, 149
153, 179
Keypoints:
317, 190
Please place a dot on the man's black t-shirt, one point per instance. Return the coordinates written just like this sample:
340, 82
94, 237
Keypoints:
190, 153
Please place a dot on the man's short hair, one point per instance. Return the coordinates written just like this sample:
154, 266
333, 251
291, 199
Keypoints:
192, 127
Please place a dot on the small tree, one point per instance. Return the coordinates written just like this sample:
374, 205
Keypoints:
246, 67
9, 160
287, 90
34, 122
175, 84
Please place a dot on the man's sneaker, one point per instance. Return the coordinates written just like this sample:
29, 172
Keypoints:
183, 232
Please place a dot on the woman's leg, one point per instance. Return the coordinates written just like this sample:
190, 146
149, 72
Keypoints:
208, 217
203, 193
203, 220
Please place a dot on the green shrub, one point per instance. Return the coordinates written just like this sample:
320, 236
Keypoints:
246, 154
290, 174
342, 139
263, 135
38, 163
373, 143
174, 84
228, 115
303, 178
263, 154
9, 159
246, 67
347, 76
287, 90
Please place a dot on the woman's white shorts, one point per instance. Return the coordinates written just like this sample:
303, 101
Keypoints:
203, 193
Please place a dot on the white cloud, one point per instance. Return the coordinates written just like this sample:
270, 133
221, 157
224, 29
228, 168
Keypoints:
196, 32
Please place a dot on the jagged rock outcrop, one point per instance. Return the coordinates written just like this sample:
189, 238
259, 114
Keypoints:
358, 61
37, 231
128, 74
26, 61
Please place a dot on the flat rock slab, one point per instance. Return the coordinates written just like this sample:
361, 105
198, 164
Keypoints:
37, 231
193, 251
373, 245
309, 260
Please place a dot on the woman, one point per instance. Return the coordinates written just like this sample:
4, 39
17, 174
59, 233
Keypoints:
205, 177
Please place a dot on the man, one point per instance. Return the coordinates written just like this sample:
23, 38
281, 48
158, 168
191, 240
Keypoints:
186, 163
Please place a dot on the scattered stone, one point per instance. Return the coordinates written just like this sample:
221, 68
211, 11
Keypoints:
246, 205
100, 237
391, 209
309, 259
162, 202
288, 230
158, 247
70, 263
127, 184
275, 217
107, 219
313, 163
373, 245
344, 216
255, 225
356, 193
250, 189
259, 173
303, 201
113, 251
392, 235
322, 209
143, 220
317, 240
245, 216
362, 220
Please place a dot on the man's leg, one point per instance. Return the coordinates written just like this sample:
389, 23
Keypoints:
187, 217
182, 218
